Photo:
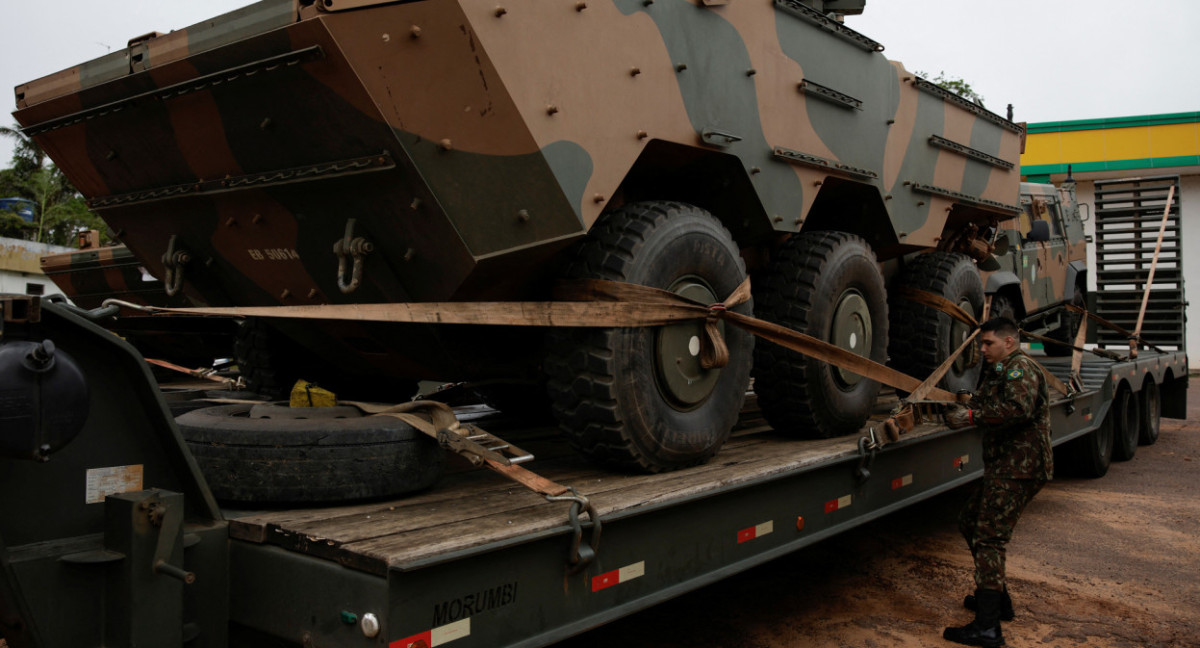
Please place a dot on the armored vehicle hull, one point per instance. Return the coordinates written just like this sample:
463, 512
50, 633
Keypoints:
358, 151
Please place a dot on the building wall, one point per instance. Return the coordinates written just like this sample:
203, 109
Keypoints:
1125, 147
20, 266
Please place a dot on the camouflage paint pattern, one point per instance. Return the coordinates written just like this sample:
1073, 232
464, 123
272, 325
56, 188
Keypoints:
987, 521
472, 142
88, 277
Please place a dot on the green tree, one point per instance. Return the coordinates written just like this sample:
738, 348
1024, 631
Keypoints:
954, 84
60, 211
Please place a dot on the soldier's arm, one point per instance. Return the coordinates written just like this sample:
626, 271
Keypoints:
1017, 404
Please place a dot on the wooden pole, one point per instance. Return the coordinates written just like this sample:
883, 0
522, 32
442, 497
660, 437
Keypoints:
1162, 229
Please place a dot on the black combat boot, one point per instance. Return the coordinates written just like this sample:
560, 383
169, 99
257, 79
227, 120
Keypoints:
985, 629
1006, 608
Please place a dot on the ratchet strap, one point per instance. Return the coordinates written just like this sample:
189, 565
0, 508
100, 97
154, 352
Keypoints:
594, 303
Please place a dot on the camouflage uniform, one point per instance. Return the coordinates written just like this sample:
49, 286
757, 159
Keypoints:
1012, 410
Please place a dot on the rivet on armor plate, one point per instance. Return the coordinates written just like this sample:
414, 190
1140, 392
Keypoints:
285, 294
265, 124
580, 6
647, 3
258, 218
409, 254
415, 32
598, 198
751, 72
416, 204
312, 292
778, 218
635, 71
681, 67
920, 203
642, 134
816, 183
551, 109
755, 170
230, 222
500, 11
523, 215
446, 144
111, 155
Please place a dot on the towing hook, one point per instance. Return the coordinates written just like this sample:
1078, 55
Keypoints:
173, 261
355, 248
580, 555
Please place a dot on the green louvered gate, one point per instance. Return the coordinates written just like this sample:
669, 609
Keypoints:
1129, 213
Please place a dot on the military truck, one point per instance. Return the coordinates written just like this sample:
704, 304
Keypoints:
348, 152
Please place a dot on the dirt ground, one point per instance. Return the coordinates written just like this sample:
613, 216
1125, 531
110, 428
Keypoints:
1107, 563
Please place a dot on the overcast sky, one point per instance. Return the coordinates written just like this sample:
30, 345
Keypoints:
1052, 59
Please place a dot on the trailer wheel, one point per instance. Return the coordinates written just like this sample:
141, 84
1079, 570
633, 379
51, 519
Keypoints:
637, 398
827, 285
1151, 405
1127, 423
922, 337
263, 453
1089, 455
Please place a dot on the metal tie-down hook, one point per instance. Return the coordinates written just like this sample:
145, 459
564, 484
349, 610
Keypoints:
353, 247
173, 261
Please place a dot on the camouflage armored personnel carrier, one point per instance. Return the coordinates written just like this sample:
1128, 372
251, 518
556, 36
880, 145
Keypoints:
362, 151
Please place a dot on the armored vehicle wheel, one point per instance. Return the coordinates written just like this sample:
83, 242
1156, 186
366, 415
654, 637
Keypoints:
921, 337
1002, 307
637, 398
264, 358
827, 285
1066, 333
1127, 423
264, 453
1151, 412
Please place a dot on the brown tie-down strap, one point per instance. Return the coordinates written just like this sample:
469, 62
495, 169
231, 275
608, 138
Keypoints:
609, 304
936, 302
437, 420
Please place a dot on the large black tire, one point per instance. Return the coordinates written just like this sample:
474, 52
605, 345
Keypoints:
816, 279
266, 359
287, 460
270, 363
636, 398
1089, 455
1066, 333
1151, 405
1002, 307
922, 337
1127, 423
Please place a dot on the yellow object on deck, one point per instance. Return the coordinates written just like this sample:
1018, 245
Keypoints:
307, 394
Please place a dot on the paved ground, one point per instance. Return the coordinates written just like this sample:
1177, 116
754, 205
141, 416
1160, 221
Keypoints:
1108, 563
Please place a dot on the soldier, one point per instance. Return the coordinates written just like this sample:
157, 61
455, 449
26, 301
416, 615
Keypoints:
1012, 409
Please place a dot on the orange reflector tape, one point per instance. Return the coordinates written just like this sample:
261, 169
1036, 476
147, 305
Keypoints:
618, 576
959, 462
901, 482
438, 636
838, 504
757, 531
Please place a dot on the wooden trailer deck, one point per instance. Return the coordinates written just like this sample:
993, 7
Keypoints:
468, 511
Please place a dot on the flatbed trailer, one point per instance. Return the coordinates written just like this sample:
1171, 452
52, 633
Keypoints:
116, 540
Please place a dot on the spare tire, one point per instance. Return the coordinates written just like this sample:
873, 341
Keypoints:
272, 457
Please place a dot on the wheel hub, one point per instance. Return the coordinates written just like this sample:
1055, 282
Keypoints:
959, 332
852, 331
682, 380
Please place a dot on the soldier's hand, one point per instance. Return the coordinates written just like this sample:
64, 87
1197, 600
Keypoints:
957, 416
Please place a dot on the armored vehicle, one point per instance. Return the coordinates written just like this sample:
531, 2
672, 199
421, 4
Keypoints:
300, 152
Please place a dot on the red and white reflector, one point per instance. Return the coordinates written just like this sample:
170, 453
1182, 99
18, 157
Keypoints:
959, 462
618, 576
839, 503
901, 482
438, 636
757, 531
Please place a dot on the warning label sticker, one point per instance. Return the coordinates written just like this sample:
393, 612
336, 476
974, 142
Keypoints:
102, 482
